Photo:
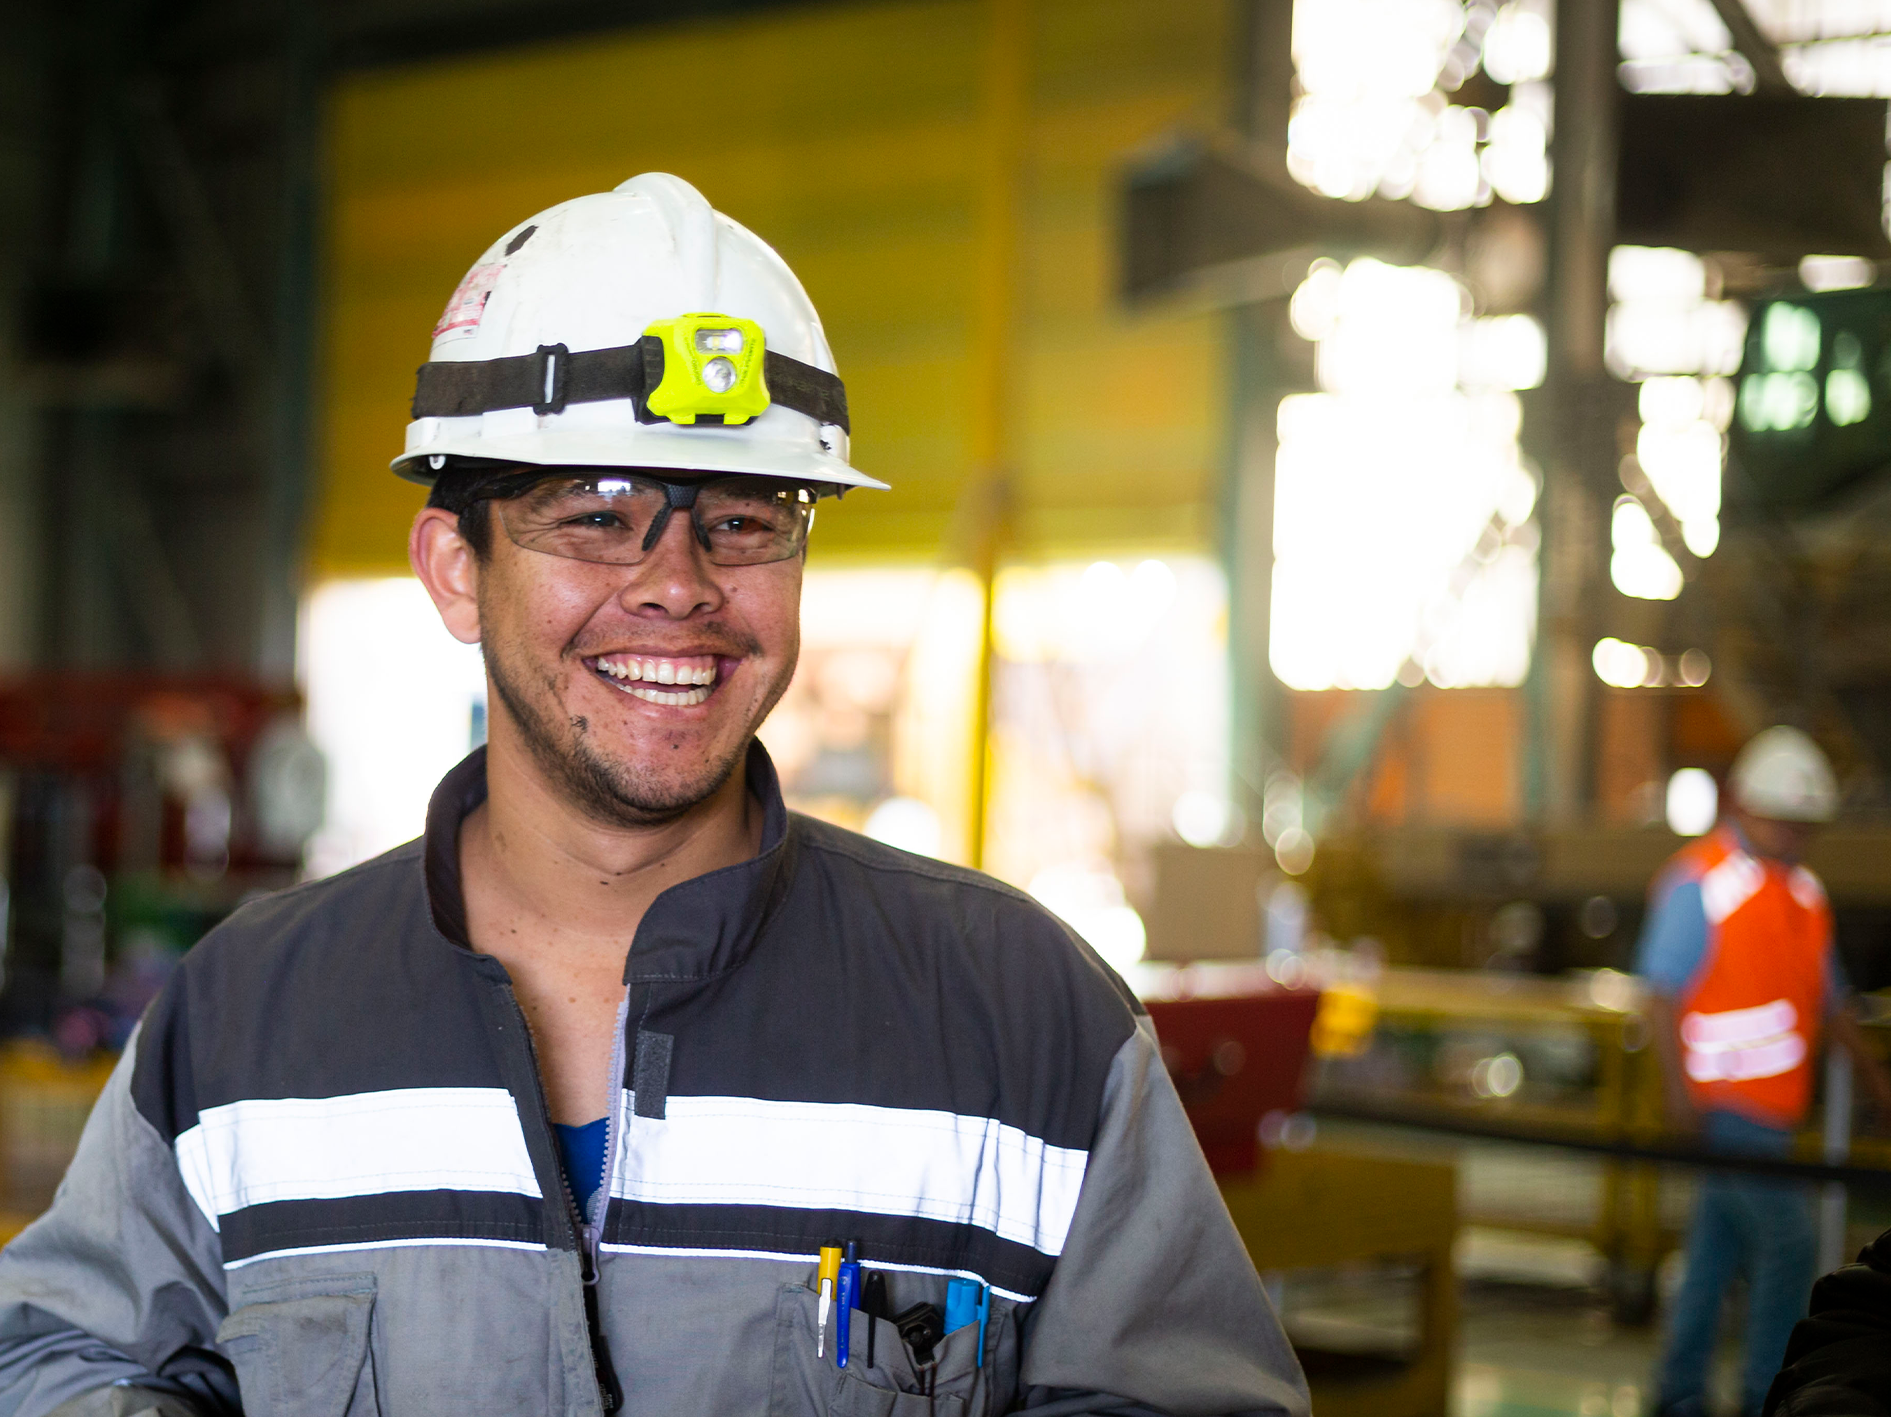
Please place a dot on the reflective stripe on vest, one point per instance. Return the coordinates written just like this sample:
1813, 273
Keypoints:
1742, 1044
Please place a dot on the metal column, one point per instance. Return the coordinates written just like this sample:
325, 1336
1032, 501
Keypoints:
288, 470
1006, 97
1263, 96
1578, 455
1838, 1150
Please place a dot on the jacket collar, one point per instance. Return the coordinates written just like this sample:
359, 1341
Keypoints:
695, 929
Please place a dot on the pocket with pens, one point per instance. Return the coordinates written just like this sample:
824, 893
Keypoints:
854, 1347
844, 1281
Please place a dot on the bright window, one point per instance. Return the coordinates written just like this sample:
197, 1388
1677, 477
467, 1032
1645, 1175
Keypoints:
394, 701
1404, 546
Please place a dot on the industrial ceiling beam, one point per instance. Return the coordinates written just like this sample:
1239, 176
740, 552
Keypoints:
368, 33
1769, 75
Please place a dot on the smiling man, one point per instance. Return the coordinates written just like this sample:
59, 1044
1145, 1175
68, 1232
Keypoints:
624, 1088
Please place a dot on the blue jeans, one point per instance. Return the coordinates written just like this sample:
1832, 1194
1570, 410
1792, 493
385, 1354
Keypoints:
1748, 1224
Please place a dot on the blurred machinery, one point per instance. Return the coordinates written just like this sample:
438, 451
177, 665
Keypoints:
1546, 1057
1465, 868
1388, 1216
1237, 1058
1539, 1039
1706, 545
1236, 1044
136, 812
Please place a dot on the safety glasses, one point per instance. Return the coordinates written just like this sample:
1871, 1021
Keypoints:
617, 518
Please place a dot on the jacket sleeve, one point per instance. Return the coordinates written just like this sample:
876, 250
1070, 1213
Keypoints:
1154, 1305
110, 1302
1838, 1362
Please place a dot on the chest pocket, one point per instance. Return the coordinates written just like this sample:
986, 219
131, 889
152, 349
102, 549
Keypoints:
807, 1385
306, 1355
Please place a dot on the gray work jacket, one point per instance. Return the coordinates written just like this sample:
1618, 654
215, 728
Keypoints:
323, 1179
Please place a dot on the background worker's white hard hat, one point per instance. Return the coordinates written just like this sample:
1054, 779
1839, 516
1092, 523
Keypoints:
595, 273
1782, 774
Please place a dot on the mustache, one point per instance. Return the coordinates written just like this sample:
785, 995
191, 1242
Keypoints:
718, 640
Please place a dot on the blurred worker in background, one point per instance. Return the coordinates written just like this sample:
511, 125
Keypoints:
624, 1089
1741, 972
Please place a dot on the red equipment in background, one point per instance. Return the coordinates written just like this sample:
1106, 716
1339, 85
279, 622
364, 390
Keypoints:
136, 811
1235, 1059
139, 748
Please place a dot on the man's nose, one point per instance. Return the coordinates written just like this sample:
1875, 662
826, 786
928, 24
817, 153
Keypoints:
676, 579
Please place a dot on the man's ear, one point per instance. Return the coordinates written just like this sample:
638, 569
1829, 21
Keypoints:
449, 569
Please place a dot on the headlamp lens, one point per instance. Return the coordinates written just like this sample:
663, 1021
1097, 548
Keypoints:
719, 341
719, 375
606, 517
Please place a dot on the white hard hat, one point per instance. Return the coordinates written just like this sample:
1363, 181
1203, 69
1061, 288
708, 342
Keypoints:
1782, 774
552, 347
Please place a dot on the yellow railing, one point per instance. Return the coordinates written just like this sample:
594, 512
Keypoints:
44, 1102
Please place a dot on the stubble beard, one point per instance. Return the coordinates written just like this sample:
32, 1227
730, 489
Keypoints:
606, 790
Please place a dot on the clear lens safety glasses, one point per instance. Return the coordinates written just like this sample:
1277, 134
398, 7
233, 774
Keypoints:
617, 518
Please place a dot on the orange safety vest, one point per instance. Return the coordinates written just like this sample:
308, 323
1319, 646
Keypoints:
1750, 1017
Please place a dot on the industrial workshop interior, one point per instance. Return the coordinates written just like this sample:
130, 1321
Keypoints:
1384, 511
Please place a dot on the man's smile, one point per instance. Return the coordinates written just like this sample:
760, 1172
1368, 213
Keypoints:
650, 677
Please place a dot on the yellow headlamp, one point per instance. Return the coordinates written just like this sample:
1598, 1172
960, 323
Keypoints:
712, 370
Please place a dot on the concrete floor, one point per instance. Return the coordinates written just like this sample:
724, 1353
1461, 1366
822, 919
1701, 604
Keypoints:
1535, 1334
1528, 1351
1528, 1346
1536, 1347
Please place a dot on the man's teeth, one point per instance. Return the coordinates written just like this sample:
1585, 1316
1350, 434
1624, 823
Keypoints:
658, 671
657, 696
642, 672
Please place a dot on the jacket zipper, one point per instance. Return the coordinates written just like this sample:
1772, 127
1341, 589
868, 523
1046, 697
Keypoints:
610, 1391
601, 1198
591, 1237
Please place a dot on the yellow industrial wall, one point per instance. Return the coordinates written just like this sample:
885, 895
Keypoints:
846, 136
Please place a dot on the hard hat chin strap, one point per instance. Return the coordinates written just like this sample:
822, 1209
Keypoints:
552, 377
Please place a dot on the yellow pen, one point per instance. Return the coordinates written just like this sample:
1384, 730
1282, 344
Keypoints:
830, 1271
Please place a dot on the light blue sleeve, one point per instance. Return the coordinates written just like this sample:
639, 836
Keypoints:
1673, 939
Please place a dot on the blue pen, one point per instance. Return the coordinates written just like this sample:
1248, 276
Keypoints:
984, 1313
846, 1296
961, 1304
